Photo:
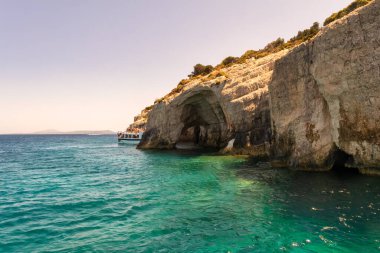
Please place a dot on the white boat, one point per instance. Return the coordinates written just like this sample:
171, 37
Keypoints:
129, 137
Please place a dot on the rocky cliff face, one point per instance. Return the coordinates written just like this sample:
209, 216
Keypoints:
325, 96
309, 108
211, 113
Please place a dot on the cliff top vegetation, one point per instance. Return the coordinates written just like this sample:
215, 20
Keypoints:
200, 70
353, 6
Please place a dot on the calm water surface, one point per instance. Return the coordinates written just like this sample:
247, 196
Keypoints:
87, 193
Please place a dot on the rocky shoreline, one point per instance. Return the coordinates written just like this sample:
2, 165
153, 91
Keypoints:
313, 107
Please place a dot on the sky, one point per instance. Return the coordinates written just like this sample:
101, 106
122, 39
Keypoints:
95, 64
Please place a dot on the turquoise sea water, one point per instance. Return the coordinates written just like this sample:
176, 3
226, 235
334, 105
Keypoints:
89, 194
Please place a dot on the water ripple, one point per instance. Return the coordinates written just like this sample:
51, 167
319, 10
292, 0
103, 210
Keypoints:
85, 194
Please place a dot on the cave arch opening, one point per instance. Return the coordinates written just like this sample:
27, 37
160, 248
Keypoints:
343, 163
204, 123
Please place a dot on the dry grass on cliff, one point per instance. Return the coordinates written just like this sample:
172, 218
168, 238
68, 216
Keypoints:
353, 6
208, 72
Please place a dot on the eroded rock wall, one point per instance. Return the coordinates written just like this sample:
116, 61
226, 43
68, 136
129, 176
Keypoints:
325, 96
234, 106
306, 108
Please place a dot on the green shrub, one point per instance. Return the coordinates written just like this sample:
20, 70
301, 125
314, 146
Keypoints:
305, 34
279, 44
229, 60
179, 87
200, 69
274, 45
158, 100
148, 108
353, 6
248, 54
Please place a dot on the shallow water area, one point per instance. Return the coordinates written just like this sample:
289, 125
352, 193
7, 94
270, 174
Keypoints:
87, 193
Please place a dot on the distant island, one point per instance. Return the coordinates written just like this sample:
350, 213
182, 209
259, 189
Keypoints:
90, 132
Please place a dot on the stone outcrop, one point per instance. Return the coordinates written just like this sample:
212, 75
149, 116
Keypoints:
139, 122
210, 113
325, 96
308, 108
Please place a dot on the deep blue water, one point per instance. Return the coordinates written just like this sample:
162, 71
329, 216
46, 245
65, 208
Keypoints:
89, 194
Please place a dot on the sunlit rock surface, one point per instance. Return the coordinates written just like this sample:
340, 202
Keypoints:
325, 96
211, 113
309, 108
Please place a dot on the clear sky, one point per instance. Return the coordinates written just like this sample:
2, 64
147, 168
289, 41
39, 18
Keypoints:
95, 64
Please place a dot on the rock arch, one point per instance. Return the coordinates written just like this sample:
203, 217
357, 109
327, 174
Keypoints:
203, 122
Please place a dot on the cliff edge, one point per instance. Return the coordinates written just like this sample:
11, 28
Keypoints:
325, 96
311, 107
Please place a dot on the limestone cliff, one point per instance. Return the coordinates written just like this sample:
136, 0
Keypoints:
308, 108
325, 96
210, 113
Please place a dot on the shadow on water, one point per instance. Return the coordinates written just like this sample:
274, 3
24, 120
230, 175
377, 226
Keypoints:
341, 165
341, 199
176, 152
340, 186
260, 168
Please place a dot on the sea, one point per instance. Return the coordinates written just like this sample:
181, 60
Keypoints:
80, 193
